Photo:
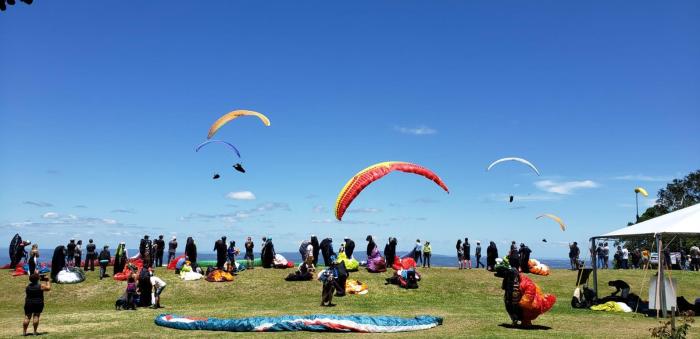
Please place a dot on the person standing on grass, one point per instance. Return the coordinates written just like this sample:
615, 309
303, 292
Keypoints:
467, 253
231, 253
460, 253
160, 249
34, 301
524, 254
491, 255
172, 248
33, 261
220, 248
477, 254
249, 256
104, 261
695, 258
574, 253
417, 250
606, 255
78, 253
70, 253
90, 256
427, 252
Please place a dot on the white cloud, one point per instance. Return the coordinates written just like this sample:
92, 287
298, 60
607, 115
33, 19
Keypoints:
566, 187
323, 221
50, 215
242, 195
421, 130
641, 177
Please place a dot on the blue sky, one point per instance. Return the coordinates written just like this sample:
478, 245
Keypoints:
102, 104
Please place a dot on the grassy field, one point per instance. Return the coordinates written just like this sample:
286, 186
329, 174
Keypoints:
469, 301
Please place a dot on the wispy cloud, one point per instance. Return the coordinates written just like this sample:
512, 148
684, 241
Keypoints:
364, 210
320, 209
80, 206
242, 195
123, 210
425, 201
38, 203
238, 216
54, 219
311, 196
53, 171
420, 130
565, 187
641, 177
500, 197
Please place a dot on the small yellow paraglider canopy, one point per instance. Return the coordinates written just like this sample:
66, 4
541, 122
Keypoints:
641, 191
233, 115
555, 218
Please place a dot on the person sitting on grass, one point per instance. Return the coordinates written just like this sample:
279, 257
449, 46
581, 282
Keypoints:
34, 301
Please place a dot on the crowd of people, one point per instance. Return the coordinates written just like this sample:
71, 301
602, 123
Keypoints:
518, 256
637, 258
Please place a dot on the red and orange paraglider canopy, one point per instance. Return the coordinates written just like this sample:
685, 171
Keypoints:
370, 174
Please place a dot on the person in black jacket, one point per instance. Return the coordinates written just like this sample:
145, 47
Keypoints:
146, 251
467, 248
390, 251
191, 252
491, 255
70, 253
268, 253
90, 256
104, 261
370, 245
317, 248
349, 247
514, 258
220, 248
160, 249
58, 261
524, 254
327, 251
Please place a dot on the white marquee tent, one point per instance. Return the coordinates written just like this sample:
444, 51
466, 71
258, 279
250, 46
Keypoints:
683, 222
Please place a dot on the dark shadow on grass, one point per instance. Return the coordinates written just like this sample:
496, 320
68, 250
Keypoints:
527, 328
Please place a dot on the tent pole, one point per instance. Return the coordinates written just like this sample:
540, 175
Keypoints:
595, 267
661, 281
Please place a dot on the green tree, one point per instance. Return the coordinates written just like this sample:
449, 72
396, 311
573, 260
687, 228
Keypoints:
678, 194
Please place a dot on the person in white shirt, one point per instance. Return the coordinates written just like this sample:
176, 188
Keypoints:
158, 287
625, 258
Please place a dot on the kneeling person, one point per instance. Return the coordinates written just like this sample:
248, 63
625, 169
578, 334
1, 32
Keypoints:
158, 287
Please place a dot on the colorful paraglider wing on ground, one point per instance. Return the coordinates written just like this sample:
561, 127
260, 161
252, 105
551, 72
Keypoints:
370, 174
641, 191
233, 115
314, 322
521, 160
230, 145
555, 218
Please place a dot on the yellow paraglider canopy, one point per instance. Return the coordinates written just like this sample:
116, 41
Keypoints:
642, 191
555, 218
233, 115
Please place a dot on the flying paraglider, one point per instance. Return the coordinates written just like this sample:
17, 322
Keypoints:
239, 168
555, 218
370, 174
544, 240
511, 199
216, 176
218, 141
641, 191
521, 160
233, 115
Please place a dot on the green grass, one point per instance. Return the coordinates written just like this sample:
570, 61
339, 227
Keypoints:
471, 303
